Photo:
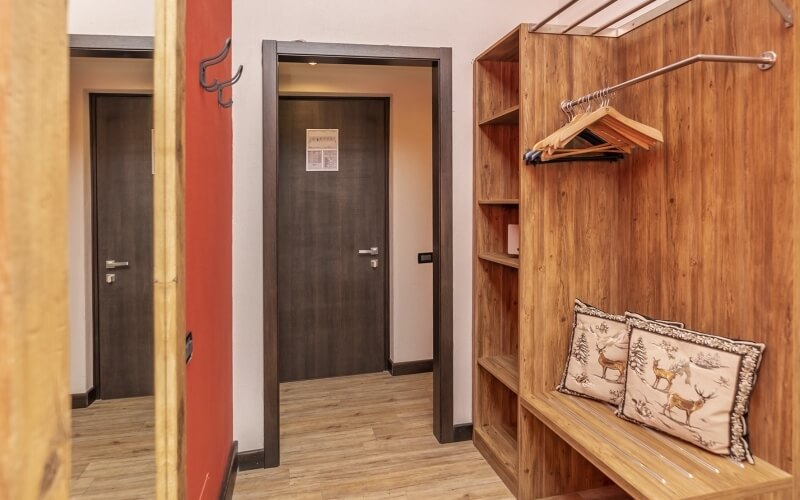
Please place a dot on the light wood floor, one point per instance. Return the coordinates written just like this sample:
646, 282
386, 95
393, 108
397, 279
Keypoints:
113, 450
366, 437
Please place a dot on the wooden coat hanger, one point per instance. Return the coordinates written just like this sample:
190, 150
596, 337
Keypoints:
602, 134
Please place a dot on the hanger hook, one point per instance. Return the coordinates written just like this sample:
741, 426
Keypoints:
215, 59
228, 83
564, 108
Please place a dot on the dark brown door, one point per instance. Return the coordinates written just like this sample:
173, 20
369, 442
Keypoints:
123, 209
331, 283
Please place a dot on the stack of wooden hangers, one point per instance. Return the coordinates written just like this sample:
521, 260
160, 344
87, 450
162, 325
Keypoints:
600, 135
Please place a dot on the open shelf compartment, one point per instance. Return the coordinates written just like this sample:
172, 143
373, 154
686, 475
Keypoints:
495, 434
504, 368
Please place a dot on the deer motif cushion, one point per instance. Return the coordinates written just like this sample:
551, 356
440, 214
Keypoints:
598, 355
691, 385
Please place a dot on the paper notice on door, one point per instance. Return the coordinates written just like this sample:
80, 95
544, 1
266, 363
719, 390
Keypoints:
322, 150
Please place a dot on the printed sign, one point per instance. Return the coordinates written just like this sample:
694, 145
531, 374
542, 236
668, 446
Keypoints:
322, 150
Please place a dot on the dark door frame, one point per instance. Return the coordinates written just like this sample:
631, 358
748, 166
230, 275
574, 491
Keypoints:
96, 378
386, 252
133, 47
440, 60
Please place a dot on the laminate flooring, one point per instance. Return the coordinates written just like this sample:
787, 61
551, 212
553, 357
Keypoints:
367, 437
358, 437
113, 450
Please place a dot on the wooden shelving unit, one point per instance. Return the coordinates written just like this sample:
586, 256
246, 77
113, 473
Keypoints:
581, 228
496, 205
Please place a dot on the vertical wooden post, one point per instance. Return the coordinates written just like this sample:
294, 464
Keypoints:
34, 373
168, 104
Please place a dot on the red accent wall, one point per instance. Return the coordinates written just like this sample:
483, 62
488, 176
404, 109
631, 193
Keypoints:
208, 192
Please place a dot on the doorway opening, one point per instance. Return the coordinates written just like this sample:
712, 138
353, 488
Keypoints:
110, 215
438, 61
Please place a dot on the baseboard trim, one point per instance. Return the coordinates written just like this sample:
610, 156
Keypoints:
462, 432
229, 481
253, 459
84, 399
410, 367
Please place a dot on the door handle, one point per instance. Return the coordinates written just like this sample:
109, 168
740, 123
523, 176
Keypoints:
371, 251
113, 264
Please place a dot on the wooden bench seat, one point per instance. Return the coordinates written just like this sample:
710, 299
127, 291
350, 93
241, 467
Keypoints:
647, 464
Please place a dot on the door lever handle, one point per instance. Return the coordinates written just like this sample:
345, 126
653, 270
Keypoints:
371, 251
113, 264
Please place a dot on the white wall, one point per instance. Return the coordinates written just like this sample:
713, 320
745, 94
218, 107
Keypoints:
468, 26
89, 75
410, 185
111, 17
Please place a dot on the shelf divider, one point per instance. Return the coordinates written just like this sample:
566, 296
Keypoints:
508, 116
504, 368
500, 258
507, 201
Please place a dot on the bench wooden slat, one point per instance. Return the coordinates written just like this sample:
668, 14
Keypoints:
592, 427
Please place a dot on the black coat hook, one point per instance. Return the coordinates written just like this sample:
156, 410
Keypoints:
215, 59
232, 81
216, 85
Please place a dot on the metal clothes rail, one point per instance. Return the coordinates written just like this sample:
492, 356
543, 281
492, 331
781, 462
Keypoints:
765, 61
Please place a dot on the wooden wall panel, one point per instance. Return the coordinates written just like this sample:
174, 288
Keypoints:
569, 245
711, 213
34, 335
168, 245
793, 378
702, 229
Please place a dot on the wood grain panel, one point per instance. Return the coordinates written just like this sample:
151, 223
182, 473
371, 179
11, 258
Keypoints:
711, 213
794, 378
569, 236
168, 245
497, 163
498, 87
34, 335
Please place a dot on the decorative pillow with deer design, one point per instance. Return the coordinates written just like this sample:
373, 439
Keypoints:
598, 355
691, 385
